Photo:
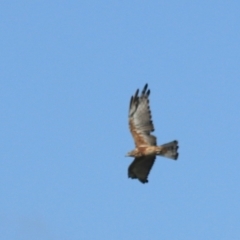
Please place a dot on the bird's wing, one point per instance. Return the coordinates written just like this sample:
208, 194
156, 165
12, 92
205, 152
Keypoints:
141, 167
140, 120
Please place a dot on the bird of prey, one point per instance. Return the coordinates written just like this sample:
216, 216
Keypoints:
146, 149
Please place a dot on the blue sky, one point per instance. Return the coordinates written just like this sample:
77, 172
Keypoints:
68, 69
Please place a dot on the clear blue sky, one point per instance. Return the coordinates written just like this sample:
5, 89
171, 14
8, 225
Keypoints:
67, 71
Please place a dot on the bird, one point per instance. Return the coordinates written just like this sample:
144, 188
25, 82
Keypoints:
146, 148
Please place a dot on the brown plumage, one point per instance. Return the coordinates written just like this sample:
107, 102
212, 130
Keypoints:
146, 149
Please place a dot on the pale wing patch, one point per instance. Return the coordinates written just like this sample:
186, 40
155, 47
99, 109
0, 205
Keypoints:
140, 138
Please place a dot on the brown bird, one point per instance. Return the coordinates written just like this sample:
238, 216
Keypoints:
146, 149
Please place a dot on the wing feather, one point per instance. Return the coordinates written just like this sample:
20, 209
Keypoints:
140, 119
141, 167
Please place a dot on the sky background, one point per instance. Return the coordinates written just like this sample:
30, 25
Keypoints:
67, 72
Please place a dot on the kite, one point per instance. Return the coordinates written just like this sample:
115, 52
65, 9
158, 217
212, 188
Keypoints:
146, 149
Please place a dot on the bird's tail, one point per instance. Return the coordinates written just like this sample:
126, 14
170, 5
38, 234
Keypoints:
169, 150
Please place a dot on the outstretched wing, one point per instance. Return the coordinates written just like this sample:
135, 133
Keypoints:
140, 120
141, 167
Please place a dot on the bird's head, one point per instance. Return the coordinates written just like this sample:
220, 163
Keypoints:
130, 154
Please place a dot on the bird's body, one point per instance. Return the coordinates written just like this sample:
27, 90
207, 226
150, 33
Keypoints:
146, 150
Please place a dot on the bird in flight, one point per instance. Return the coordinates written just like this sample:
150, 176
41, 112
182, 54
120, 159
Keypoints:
146, 149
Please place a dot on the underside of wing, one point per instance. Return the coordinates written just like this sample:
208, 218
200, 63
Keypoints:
140, 119
141, 167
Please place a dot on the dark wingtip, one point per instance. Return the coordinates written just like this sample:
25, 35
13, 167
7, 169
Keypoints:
143, 181
145, 88
148, 92
136, 94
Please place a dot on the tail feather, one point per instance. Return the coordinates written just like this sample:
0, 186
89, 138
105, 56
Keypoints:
170, 150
